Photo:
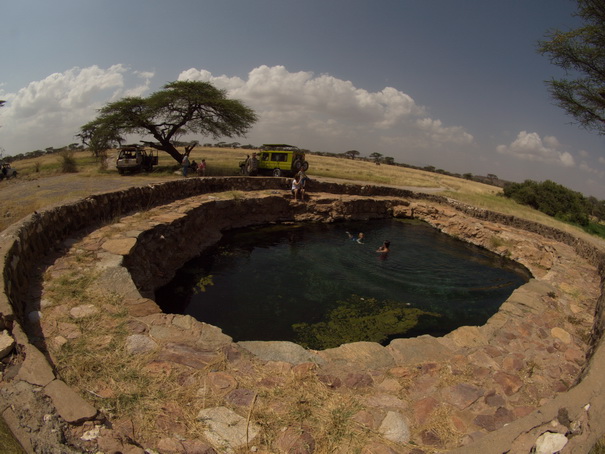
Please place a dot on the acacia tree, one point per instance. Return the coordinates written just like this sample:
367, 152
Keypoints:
377, 157
181, 107
581, 52
351, 154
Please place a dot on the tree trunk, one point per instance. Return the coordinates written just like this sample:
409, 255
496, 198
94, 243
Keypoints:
168, 148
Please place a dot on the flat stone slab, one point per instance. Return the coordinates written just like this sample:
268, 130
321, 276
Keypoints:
6, 343
366, 355
35, 369
417, 350
118, 280
395, 428
68, 403
188, 356
121, 246
227, 430
288, 352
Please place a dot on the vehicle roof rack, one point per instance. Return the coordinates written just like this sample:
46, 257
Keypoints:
277, 146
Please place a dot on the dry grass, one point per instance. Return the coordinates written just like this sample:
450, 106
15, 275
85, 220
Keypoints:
356, 170
96, 363
303, 402
123, 386
156, 398
439, 424
225, 161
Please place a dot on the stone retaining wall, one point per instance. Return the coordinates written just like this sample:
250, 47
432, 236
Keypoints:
23, 245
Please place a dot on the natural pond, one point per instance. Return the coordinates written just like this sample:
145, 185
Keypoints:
312, 284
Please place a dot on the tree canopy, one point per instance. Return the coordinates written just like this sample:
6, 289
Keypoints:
581, 52
181, 107
351, 154
377, 157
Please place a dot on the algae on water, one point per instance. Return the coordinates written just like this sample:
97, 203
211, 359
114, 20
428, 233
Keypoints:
202, 283
360, 319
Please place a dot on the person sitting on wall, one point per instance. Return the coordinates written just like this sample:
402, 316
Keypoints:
295, 187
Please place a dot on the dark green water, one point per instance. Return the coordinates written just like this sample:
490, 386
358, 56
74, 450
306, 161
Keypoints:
311, 284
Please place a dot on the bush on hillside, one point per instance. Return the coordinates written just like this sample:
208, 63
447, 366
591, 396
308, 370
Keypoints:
68, 162
552, 199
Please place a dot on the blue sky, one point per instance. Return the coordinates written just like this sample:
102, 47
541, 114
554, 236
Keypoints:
456, 84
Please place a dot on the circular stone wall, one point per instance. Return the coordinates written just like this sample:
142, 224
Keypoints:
527, 372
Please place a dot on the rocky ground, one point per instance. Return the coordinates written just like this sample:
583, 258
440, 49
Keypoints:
414, 396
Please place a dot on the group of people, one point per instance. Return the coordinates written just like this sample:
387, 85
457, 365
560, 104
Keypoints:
384, 249
200, 169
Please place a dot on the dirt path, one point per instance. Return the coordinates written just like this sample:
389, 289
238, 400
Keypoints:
23, 196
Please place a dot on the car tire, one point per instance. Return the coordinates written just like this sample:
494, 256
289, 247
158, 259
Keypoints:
277, 172
305, 166
298, 165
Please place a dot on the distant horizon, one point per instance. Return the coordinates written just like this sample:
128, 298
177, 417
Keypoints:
427, 168
456, 86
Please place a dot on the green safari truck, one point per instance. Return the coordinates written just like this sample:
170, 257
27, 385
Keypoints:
280, 159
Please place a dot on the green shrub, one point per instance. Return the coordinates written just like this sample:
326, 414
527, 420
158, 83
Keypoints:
595, 228
552, 199
68, 162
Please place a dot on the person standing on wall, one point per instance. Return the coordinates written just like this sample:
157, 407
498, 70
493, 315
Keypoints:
185, 164
243, 166
253, 165
302, 178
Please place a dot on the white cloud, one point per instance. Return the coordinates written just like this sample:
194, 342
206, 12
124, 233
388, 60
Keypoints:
584, 166
49, 112
325, 112
439, 133
72, 89
319, 112
531, 147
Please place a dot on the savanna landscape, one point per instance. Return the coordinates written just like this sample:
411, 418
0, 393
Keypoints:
42, 182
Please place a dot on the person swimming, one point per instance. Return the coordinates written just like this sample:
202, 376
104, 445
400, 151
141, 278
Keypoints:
385, 247
359, 238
